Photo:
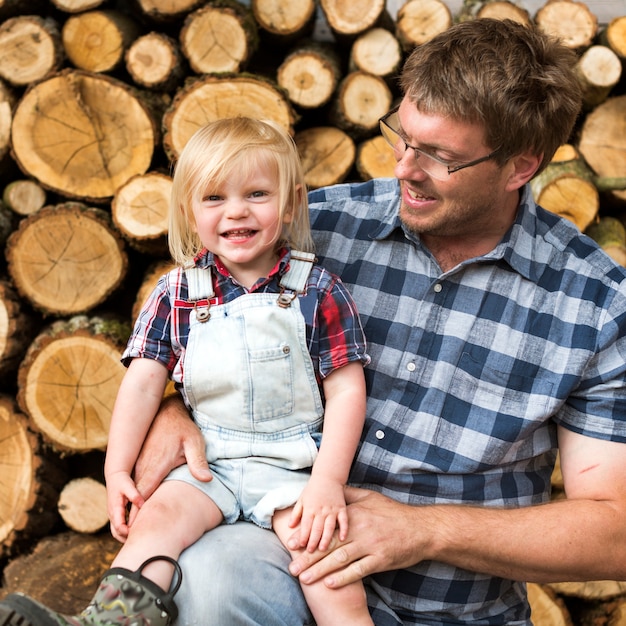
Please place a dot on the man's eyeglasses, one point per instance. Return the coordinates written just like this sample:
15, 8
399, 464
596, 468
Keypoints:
433, 166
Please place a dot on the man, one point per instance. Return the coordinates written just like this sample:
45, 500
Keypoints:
497, 335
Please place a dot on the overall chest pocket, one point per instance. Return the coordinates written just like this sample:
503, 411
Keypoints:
271, 380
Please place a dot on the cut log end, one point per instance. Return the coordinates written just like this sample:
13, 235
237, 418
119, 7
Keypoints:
83, 505
111, 138
69, 379
66, 259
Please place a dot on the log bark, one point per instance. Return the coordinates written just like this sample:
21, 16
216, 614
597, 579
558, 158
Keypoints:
63, 571
68, 381
83, 505
327, 155
111, 137
610, 234
31, 480
7, 223
220, 37
66, 259
30, 48
96, 41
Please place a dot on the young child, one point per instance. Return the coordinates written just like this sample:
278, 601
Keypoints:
254, 334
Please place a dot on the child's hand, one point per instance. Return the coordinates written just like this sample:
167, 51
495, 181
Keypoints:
121, 491
319, 510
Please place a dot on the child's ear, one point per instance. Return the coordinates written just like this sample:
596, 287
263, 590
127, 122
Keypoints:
288, 215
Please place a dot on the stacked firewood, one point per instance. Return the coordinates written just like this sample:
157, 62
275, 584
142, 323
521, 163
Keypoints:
97, 98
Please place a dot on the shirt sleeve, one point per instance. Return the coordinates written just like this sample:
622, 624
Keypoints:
341, 339
152, 334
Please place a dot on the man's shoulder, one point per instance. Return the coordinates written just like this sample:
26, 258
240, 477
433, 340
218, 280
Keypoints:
577, 251
375, 190
364, 205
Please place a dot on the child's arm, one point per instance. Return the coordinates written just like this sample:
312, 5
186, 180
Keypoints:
137, 402
322, 504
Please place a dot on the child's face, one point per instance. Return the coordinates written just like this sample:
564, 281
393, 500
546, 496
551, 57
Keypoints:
240, 223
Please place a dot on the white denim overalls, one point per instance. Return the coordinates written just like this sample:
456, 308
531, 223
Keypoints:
250, 382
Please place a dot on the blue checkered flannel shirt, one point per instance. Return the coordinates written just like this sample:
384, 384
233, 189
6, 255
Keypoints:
471, 372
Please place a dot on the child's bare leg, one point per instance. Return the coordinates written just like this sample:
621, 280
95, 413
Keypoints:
175, 516
330, 607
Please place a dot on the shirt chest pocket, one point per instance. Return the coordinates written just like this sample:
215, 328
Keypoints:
491, 418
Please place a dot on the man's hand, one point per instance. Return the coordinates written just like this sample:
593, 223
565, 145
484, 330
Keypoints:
383, 535
172, 440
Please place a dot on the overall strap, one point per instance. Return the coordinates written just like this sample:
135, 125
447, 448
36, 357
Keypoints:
200, 282
295, 278
200, 288
300, 265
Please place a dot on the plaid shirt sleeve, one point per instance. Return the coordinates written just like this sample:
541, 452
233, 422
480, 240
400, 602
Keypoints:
336, 336
154, 335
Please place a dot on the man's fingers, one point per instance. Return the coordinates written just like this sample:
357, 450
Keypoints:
313, 566
196, 459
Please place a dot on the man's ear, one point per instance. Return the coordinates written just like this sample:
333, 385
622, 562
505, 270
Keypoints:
522, 168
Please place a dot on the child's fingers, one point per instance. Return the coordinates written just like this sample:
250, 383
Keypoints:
322, 533
342, 523
296, 514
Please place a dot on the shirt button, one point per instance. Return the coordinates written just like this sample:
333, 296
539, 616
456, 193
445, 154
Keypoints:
411, 367
380, 434
437, 288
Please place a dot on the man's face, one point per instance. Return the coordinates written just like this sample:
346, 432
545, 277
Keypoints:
469, 202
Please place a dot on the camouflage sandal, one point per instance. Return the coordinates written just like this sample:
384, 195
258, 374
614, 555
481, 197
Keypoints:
123, 597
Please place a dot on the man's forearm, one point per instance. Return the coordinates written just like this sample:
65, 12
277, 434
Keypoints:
566, 540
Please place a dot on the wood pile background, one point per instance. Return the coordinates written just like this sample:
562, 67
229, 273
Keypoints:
97, 98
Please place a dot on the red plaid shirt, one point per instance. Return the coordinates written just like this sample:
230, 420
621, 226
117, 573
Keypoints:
334, 332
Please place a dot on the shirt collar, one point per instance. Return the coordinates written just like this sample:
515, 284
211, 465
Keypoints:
206, 259
518, 247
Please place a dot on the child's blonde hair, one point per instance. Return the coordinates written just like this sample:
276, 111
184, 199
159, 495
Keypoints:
234, 147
